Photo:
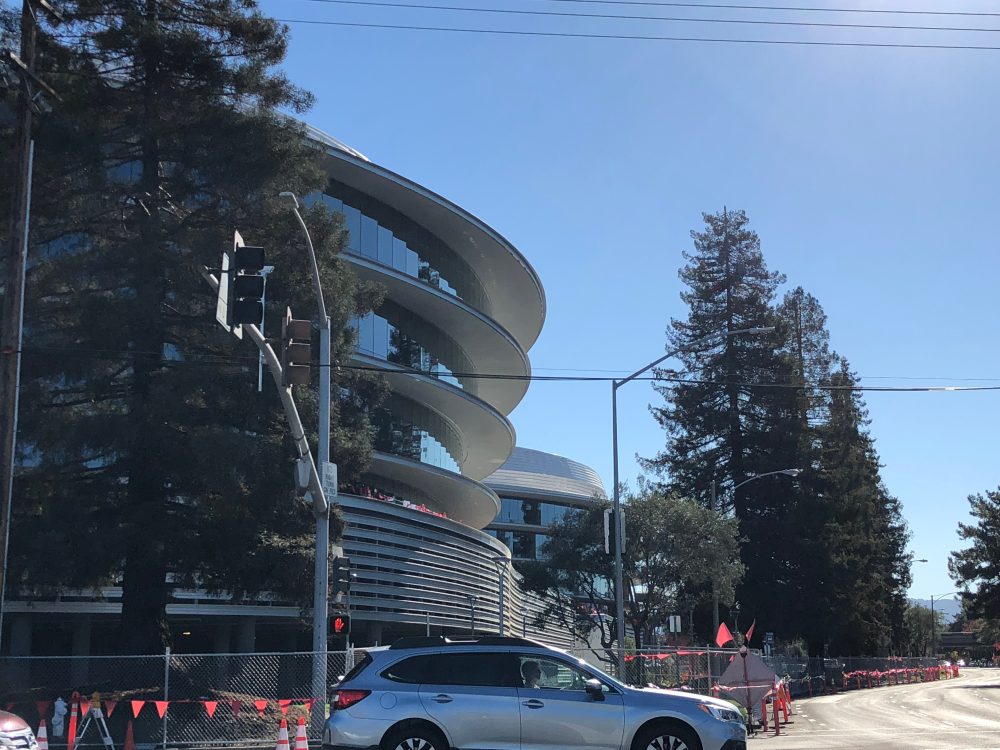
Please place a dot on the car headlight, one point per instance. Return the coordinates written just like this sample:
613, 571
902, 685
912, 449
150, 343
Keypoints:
720, 713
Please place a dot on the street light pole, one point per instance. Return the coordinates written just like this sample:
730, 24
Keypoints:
934, 621
619, 525
321, 581
501, 565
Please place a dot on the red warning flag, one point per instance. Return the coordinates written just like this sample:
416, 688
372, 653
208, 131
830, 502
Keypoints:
161, 707
750, 631
723, 636
261, 705
283, 705
109, 707
210, 707
137, 707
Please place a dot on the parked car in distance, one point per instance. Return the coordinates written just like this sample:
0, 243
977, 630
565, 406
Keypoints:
500, 693
15, 732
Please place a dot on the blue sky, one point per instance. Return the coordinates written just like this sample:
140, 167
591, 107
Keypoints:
869, 174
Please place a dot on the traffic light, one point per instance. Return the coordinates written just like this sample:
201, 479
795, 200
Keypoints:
340, 624
296, 351
341, 575
246, 284
609, 536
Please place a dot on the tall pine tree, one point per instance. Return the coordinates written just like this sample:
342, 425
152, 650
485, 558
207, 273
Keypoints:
149, 458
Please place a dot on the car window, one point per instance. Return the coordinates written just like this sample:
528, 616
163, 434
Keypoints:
413, 670
552, 674
362, 660
480, 669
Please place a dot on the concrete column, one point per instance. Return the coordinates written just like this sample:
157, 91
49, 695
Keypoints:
20, 645
20, 635
246, 635
222, 638
222, 643
80, 669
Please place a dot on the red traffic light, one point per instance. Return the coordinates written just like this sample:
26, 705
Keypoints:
340, 624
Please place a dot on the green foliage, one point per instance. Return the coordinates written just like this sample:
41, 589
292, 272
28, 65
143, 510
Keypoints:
150, 460
674, 548
978, 566
917, 621
833, 540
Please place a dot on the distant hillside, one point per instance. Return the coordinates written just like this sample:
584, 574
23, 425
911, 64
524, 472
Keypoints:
950, 607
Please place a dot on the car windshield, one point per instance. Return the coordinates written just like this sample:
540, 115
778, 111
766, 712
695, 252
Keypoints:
598, 673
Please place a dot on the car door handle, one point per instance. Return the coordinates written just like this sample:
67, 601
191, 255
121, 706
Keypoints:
533, 703
442, 698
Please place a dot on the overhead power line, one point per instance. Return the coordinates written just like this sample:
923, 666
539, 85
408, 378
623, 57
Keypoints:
671, 19
637, 37
211, 360
794, 8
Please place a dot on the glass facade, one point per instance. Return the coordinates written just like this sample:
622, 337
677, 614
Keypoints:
369, 239
402, 338
523, 545
410, 430
530, 512
526, 544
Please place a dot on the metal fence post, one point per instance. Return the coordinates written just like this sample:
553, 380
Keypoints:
166, 691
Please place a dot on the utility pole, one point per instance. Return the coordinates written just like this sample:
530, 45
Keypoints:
12, 324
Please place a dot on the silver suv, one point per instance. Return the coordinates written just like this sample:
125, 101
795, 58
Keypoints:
499, 693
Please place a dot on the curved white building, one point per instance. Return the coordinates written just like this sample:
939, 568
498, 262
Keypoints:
536, 490
461, 302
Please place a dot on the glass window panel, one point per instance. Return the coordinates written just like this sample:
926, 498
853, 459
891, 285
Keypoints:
369, 237
524, 545
334, 204
366, 334
384, 246
381, 341
412, 263
399, 254
531, 512
481, 670
353, 217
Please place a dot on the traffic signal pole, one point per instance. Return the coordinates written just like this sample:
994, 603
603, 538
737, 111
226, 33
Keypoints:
321, 581
12, 325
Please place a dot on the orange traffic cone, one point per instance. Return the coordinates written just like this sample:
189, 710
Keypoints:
43, 736
301, 741
283, 736
129, 737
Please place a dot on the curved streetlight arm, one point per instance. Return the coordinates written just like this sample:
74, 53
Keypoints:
787, 472
711, 337
618, 530
324, 319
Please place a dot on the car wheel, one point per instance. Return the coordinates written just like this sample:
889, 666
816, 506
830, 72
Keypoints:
667, 737
414, 738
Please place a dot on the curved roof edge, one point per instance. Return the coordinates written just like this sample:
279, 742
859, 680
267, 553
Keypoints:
321, 136
487, 435
519, 307
546, 475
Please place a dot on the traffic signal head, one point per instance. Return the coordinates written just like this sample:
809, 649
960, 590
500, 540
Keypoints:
296, 351
340, 624
341, 575
245, 284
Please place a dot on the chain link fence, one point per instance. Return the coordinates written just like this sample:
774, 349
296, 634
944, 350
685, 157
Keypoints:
237, 700
172, 700
698, 668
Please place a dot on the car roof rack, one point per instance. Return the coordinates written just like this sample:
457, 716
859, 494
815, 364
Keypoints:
485, 640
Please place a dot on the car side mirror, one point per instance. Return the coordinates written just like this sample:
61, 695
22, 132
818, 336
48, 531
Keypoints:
594, 689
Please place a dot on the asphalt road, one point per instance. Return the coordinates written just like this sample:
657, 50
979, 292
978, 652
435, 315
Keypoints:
962, 713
